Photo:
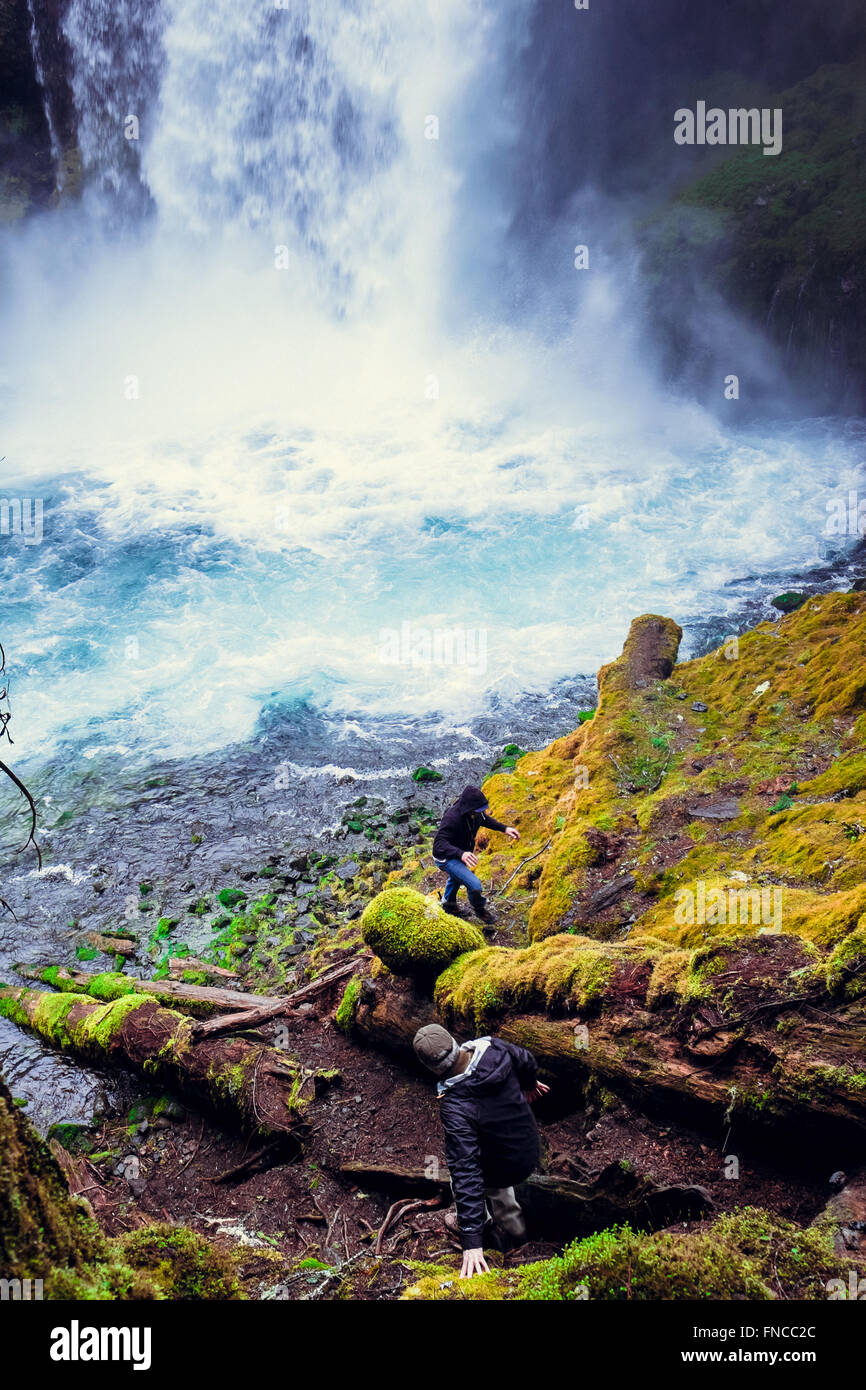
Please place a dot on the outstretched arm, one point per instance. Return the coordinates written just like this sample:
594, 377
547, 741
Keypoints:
492, 824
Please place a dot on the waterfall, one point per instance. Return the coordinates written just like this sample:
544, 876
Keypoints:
117, 57
39, 69
299, 125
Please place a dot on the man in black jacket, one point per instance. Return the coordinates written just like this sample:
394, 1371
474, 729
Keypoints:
485, 1091
453, 848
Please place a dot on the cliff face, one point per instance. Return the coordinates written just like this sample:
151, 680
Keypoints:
34, 159
781, 239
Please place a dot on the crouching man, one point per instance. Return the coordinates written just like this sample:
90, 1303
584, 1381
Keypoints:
485, 1091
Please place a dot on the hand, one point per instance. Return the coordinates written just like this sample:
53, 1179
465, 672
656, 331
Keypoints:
469, 859
474, 1263
536, 1094
512, 833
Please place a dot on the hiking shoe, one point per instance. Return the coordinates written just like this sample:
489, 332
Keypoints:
482, 909
453, 910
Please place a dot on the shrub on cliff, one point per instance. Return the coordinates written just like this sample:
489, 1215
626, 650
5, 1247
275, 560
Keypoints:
413, 936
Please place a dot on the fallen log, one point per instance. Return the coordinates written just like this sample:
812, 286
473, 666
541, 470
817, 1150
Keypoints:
559, 1208
237, 1022
604, 1026
251, 1018
248, 1084
114, 985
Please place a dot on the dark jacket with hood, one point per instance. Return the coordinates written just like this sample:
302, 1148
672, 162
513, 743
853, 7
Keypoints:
459, 826
491, 1139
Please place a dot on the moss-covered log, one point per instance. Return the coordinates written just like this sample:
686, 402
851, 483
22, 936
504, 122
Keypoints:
113, 984
246, 1083
658, 1027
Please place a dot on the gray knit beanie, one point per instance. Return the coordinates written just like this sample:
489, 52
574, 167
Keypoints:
435, 1047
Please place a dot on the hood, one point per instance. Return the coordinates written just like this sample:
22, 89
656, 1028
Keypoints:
489, 1067
471, 799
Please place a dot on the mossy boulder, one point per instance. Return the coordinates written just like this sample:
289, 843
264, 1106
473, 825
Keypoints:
412, 936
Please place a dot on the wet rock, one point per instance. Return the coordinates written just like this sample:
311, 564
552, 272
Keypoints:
725, 809
348, 870
699, 707
789, 602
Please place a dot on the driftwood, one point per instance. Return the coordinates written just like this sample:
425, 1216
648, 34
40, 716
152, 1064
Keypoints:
558, 1208
246, 1083
179, 965
112, 945
243, 1019
251, 1018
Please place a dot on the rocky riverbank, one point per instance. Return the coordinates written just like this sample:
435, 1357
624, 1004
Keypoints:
691, 1060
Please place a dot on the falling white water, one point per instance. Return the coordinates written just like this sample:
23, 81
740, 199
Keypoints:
267, 427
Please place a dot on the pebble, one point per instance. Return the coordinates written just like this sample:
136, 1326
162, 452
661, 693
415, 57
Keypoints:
699, 707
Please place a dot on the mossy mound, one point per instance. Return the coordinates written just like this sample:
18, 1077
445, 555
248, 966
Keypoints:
183, 1264
411, 934
749, 1254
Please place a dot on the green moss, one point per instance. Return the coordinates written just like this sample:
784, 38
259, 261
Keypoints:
231, 897
846, 966
348, 1006
412, 935
184, 1265
555, 976
748, 1254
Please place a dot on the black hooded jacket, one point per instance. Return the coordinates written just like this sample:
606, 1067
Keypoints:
490, 1135
459, 826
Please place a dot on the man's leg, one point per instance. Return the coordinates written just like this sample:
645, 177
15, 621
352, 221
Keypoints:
506, 1211
459, 873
